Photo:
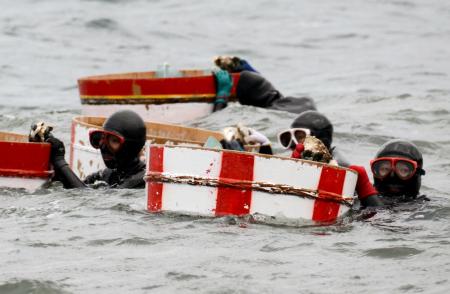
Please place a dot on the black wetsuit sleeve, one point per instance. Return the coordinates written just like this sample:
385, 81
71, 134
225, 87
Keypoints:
266, 149
253, 89
293, 104
64, 174
135, 181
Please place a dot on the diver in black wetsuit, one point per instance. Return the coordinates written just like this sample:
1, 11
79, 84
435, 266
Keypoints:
120, 143
316, 124
320, 127
253, 89
397, 170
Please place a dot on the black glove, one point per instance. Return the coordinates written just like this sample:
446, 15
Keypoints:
371, 201
57, 152
63, 172
232, 145
39, 132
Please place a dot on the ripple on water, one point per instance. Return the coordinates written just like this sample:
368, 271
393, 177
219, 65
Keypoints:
102, 23
44, 245
435, 214
410, 288
31, 286
344, 244
101, 242
151, 287
399, 252
273, 248
137, 241
178, 276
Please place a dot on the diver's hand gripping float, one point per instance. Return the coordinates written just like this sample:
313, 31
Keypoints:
41, 132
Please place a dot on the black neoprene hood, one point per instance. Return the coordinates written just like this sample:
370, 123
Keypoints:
131, 126
401, 148
319, 125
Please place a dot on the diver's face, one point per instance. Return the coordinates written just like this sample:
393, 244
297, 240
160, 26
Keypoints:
101, 139
109, 144
395, 176
392, 186
113, 143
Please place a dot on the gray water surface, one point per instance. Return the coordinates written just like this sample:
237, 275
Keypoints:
377, 69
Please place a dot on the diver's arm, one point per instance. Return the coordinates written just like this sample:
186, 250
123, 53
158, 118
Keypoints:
371, 201
367, 194
294, 104
63, 172
135, 181
254, 89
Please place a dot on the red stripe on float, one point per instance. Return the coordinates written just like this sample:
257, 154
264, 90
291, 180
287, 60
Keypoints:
331, 181
235, 167
154, 190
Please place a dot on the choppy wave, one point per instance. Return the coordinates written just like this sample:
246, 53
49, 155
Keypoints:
31, 286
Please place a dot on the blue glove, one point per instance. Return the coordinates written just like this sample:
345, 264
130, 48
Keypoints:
233, 64
246, 66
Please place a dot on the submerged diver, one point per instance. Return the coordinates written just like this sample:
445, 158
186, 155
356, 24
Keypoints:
253, 89
120, 143
397, 171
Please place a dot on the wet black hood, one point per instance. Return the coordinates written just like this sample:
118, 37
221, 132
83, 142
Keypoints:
131, 126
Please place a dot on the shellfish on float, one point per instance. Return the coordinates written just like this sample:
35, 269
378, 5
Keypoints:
315, 150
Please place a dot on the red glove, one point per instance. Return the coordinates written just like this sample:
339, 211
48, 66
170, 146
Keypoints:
363, 186
297, 153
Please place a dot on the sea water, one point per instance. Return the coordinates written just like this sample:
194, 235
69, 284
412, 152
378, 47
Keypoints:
379, 69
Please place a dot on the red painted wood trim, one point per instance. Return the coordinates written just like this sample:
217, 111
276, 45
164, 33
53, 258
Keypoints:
200, 85
72, 143
235, 167
24, 173
24, 159
331, 181
155, 190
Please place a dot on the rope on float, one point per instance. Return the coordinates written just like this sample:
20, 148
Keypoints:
243, 184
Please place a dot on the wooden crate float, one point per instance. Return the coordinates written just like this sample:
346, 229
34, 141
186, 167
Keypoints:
206, 182
186, 96
23, 164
